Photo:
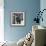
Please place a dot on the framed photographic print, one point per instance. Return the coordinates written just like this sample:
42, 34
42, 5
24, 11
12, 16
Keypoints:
18, 18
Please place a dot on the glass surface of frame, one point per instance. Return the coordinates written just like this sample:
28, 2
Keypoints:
17, 18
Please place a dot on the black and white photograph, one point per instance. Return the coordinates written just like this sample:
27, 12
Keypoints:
18, 18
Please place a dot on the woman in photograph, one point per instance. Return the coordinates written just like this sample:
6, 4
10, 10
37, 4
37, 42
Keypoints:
18, 19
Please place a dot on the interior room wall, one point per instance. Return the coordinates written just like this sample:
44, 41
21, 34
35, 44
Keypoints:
43, 6
30, 7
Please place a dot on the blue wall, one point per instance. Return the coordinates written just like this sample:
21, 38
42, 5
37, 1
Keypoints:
30, 7
43, 6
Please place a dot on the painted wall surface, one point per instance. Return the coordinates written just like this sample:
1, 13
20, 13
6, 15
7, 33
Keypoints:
30, 7
43, 6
